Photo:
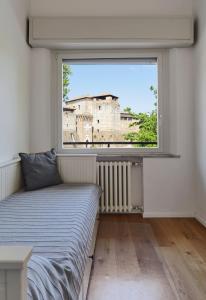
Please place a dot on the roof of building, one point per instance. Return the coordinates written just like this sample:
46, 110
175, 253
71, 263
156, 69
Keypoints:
126, 114
103, 95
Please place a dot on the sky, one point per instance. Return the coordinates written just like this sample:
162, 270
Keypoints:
130, 82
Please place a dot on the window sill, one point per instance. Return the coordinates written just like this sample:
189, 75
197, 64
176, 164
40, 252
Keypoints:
135, 158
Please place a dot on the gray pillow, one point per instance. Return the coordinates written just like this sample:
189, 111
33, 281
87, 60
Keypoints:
39, 170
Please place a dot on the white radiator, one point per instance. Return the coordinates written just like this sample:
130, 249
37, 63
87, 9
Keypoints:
115, 181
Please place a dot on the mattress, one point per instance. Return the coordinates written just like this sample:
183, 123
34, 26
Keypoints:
58, 223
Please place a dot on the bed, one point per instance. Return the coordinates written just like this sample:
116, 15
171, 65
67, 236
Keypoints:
59, 224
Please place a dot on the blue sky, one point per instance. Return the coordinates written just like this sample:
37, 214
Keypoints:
130, 82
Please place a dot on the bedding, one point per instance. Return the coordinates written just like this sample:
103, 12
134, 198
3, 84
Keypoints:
58, 223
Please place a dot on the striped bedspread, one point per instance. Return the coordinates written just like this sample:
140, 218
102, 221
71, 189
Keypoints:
58, 223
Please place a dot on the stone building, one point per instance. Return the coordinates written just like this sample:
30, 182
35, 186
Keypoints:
95, 118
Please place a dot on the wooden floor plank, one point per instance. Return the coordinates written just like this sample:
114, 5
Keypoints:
187, 287
157, 259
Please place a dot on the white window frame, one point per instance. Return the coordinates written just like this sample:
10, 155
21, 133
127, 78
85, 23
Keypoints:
162, 56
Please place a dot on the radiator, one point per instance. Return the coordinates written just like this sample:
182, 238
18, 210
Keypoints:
115, 181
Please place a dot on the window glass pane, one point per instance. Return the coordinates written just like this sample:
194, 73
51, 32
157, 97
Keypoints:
110, 104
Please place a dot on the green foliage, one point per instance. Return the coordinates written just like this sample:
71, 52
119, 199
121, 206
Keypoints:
67, 72
154, 91
147, 123
128, 110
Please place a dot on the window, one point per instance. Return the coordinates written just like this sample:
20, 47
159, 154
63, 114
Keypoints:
120, 103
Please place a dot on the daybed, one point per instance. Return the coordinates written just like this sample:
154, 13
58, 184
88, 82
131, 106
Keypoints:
59, 223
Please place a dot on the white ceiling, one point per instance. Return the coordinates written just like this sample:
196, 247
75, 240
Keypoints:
109, 7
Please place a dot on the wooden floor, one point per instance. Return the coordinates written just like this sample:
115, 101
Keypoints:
157, 259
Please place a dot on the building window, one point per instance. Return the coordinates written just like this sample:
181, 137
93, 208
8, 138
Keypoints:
132, 103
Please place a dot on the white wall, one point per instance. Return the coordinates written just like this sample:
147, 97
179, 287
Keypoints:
40, 108
14, 79
168, 187
169, 183
110, 7
200, 108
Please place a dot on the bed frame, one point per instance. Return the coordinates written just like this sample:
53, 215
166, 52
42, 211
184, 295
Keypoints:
13, 260
90, 260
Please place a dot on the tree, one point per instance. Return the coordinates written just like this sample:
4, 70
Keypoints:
128, 110
155, 93
67, 72
147, 123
